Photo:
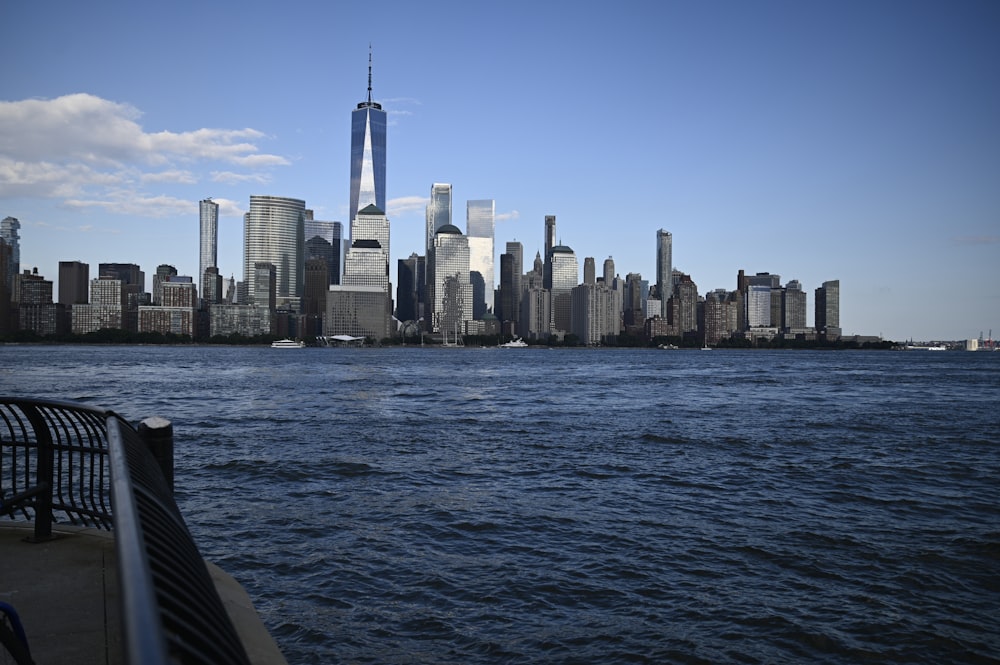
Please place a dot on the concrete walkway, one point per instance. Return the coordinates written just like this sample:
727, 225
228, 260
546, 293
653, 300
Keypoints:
66, 592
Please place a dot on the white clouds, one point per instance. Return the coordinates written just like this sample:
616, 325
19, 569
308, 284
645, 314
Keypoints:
507, 216
229, 178
402, 205
128, 203
175, 176
92, 152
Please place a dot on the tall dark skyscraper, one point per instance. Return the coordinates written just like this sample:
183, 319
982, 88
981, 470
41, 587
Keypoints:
368, 122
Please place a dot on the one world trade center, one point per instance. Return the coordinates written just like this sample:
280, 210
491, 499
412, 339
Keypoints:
367, 153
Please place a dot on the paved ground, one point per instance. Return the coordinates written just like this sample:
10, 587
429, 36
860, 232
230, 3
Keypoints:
66, 592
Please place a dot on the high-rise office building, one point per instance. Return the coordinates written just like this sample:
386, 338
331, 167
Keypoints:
367, 261
664, 268
6, 311
550, 242
438, 213
480, 217
325, 240
565, 277
274, 232
265, 281
8, 232
589, 270
317, 284
511, 267
828, 309
368, 123
406, 288
208, 245
74, 281
793, 307
449, 291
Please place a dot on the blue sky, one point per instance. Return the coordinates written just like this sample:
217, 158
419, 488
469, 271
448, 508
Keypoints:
857, 141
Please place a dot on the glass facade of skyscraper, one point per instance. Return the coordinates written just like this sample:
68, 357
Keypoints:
368, 123
438, 210
828, 309
479, 229
324, 240
208, 239
8, 231
274, 232
449, 291
565, 277
664, 268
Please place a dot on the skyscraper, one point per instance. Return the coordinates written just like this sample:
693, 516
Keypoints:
550, 242
828, 309
8, 232
368, 123
449, 292
479, 222
438, 210
274, 232
565, 277
324, 240
208, 245
74, 280
511, 268
664, 268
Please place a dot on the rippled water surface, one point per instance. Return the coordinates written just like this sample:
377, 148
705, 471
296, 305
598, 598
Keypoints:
485, 505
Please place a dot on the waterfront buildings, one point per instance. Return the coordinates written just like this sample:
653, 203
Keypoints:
208, 239
9, 234
565, 276
511, 266
449, 291
595, 307
827, 320
107, 308
176, 312
274, 232
163, 274
410, 277
664, 268
479, 216
36, 311
368, 153
74, 279
550, 242
358, 311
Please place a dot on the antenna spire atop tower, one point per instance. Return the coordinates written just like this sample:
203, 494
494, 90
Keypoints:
369, 73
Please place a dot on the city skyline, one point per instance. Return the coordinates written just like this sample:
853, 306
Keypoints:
848, 152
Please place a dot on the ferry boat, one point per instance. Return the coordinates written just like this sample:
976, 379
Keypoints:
287, 344
516, 343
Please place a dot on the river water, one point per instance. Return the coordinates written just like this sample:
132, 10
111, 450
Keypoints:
415, 505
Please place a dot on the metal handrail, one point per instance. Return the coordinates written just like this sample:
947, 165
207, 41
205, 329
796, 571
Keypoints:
101, 473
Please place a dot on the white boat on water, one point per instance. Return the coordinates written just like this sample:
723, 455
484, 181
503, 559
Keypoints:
516, 343
287, 344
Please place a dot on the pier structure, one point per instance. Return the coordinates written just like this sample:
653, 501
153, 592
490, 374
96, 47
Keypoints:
95, 556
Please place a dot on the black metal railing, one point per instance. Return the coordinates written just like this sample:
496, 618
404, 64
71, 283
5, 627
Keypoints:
61, 460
